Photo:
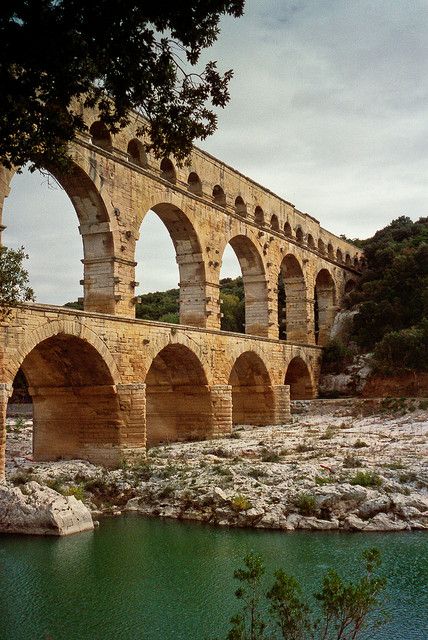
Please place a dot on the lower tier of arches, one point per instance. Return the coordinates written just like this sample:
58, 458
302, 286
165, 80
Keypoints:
104, 390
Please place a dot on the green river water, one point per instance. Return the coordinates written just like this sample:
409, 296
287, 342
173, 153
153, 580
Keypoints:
137, 578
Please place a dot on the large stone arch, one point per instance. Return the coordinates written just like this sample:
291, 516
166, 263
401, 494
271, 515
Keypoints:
298, 377
292, 311
76, 413
56, 327
83, 185
178, 399
324, 306
255, 285
190, 262
253, 399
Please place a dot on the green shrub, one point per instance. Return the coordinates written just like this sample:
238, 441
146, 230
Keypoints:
403, 350
270, 456
360, 444
328, 434
306, 504
351, 462
240, 503
322, 480
366, 479
75, 490
334, 356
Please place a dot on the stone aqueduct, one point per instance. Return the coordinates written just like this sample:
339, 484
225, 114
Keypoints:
104, 384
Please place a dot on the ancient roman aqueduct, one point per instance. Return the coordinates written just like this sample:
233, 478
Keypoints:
104, 384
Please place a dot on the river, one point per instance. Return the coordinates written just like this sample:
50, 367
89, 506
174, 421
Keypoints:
142, 579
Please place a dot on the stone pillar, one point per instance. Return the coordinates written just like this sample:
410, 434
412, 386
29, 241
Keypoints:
192, 290
256, 305
281, 400
5, 392
132, 406
297, 310
221, 404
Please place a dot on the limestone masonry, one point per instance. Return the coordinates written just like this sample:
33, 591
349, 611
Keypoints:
104, 384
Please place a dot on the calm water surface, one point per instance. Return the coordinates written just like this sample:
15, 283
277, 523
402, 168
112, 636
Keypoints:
144, 579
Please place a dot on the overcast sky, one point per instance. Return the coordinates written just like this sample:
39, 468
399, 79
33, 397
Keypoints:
328, 109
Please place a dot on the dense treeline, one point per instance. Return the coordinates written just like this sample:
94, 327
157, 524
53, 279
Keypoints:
392, 297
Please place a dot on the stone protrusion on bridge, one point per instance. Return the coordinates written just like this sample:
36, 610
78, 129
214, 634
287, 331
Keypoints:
132, 406
5, 392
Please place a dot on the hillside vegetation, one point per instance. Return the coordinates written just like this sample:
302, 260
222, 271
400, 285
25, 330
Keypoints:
392, 297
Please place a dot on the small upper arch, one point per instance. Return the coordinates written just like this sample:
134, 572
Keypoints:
100, 135
321, 246
299, 235
348, 260
240, 206
288, 230
274, 223
167, 170
194, 183
259, 216
137, 153
311, 241
219, 196
339, 255
330, 251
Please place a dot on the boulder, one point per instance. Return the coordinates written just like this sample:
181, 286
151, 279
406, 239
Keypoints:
386, 522
353, 523
39, 510
375, 505
316, 524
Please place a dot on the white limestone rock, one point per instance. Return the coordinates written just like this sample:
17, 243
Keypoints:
386, 522
38, 510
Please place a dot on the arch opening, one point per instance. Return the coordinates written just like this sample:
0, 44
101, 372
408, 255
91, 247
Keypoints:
69, 193
299, 379
321, 246
330, 251
339, 255
252, 394
274, 223
188, 304
259, 217
75, 409
100, 136
167, 170
324, 307
299, 235
288, 230
137, 153
178, 400
240, 207
194, 184
311, 241
255, 287
292, 313
219, 196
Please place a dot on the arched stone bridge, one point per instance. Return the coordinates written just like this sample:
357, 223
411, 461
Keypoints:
103, 383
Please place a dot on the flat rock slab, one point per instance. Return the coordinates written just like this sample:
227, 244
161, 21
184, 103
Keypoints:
38, 510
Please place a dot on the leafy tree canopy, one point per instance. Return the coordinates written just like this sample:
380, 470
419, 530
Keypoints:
393, 296
14, 283
116, 55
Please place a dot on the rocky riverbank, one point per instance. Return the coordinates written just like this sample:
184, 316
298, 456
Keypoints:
348, 465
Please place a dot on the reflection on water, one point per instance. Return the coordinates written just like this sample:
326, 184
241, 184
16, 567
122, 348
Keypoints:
135, 578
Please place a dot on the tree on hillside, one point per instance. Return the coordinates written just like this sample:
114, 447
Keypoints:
392, 297
116, 56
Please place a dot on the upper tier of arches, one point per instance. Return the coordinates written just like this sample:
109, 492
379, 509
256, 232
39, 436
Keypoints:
228, 192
